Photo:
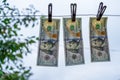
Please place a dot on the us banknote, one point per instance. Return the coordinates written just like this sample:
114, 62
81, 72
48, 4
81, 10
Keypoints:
99, 40
73, 41
48, 44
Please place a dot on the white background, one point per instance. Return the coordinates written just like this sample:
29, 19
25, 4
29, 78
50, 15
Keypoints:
88, 71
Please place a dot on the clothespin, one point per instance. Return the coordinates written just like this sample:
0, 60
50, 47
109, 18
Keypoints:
101, 10
50, 12
73, 11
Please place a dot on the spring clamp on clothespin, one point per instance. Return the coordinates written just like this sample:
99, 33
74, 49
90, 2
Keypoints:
73, 11
50, 12
101, 10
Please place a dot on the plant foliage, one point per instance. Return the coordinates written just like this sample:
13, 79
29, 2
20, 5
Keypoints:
12, 47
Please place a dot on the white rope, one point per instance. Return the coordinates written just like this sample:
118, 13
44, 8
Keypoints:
114, 15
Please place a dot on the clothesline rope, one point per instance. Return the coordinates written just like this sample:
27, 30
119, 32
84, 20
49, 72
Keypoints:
112, 15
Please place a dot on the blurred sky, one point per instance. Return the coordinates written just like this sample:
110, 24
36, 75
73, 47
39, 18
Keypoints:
88, 71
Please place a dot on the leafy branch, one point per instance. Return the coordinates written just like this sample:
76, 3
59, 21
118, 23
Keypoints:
12, 47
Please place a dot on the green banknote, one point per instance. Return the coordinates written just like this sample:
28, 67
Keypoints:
48, 44
99, 40
73, 41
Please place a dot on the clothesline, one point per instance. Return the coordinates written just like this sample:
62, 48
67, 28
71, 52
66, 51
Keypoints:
112, 15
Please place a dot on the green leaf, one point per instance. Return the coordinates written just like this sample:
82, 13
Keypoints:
37, 38
19, 55
1, 73
15, 33
11, 68
15, 26
2, 58
31, 41
6, 21
16, 72
6, 67
14, 76
12, 57
26, 72
22, 44
4, 0
22, 78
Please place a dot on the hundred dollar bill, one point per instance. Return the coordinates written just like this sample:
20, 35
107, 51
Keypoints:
73, 41
48, 44
99, 40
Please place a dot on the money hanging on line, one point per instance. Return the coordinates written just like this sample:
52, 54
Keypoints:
73, 41
48, 44
99, 40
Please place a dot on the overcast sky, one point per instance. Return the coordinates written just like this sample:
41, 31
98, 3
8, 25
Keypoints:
88, 71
